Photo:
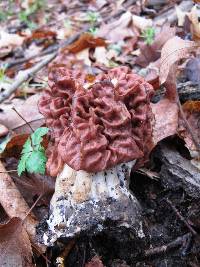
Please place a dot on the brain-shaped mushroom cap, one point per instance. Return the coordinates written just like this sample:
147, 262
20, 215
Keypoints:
96, 128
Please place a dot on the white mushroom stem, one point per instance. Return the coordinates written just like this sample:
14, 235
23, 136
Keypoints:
81, 197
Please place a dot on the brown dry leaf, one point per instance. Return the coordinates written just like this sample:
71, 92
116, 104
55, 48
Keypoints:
117, 30
95, 262
41, 34
174, 50
195, 24
28, 110
165, 119
33, 186
15, 246
151, 53
86, 40
14, 146
192, 113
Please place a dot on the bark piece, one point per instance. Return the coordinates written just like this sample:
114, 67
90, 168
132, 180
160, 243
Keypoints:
178, 172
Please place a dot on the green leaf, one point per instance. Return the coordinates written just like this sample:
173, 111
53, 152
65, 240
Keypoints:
33, 157
22, 163
27, 147
36, 137
36, 162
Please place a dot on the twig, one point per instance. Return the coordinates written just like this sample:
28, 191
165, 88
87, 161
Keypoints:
23, 119
162, 249
181, 217
25, 75
15, 205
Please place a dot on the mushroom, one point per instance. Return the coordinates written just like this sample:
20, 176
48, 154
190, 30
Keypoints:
98, 131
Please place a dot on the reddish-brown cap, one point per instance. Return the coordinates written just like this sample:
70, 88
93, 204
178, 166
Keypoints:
96, 128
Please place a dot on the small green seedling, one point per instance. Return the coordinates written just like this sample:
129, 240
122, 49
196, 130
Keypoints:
148, 34
92, 17
93, 30
33, 157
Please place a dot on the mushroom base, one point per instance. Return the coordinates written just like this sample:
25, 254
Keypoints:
86, 203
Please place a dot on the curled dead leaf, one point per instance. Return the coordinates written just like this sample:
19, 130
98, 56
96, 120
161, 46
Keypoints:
86, 40
28, 110
165, 119
192, 113
15, 246
118, 29
174, 50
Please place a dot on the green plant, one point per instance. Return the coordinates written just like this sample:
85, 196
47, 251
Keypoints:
92, 17
3, 77
24, 15
93, 30
33, 157
148, 34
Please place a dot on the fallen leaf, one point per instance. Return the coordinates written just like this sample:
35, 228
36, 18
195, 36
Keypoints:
10, 40
117, 30
86, 40
14, 145
174, 50
15, 246
192, 113
141, 22
101, 55
95, 262
28, 110
41, 34
151, 53
84, 56
165, 119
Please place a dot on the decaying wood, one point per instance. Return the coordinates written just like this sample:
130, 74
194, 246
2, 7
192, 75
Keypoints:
15, 206
178, 172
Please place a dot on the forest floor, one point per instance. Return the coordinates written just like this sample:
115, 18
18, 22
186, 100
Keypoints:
158, 40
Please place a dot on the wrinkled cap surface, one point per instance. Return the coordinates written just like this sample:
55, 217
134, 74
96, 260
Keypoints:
96, 128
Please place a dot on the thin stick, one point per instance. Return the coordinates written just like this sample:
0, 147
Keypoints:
181, 217
162, 249
8, 171
25, 75
23, 119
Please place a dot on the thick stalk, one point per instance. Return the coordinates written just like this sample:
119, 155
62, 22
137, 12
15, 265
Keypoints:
83, 202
